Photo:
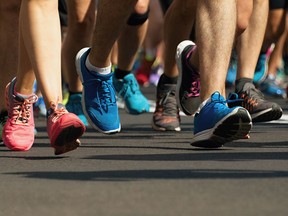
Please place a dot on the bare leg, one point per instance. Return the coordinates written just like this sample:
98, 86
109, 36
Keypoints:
131, 39
9, 11
213, 63
108, 29
81, 19
38, 43
250, 42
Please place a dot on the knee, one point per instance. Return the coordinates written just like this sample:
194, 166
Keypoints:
140, 14
244, 12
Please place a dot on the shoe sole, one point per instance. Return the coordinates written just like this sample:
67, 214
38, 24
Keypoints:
68, 140
159, 128
267, 115
78, 69
196, 100
233, 127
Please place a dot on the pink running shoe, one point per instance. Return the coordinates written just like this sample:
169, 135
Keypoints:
63, 129
18, 132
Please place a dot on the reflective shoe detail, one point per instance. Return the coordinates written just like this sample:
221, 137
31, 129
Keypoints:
18, 132
253, 100
261, 69
3, 119
188, 85
269, 87
128, 89
216, 124
63, 129
166, 115
74, 106
98, 98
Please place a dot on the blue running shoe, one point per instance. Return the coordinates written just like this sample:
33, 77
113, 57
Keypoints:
128, 89
261, 69
216, 123
74, 106
99, 100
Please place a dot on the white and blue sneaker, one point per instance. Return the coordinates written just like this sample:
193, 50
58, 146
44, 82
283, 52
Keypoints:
99, 100
215, 123
128, 89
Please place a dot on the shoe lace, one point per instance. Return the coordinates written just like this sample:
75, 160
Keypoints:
104, 93
129, 88
250, 98
57, 112
21, 112
167, 101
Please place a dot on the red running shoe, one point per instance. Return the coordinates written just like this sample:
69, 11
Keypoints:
63, 129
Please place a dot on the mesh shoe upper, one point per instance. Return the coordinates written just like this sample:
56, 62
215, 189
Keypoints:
74, 106
63, 129
216, 123
188, 85
99, 103
128, 89
253, 100
18, 132
166, 115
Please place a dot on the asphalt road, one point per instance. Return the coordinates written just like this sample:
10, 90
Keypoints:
141, 172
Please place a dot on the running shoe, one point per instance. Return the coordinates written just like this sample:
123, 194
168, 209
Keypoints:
261, 69
216, 124
99, 99
63, 129
269, 87
74, 106
18, 132
166, 115
253, 100
128, 89
3, 119
188, 84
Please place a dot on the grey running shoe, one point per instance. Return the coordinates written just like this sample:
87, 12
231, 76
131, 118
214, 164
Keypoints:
188, 85
166, 116
253, 100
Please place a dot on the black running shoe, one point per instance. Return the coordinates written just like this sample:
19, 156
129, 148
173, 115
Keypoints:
253, 100
188, 85
166, 116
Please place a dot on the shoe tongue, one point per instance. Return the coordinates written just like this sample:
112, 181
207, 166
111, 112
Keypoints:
248, 86
216, 96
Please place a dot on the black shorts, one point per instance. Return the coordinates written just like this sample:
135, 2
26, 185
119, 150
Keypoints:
278, 4
62, 7
165, 5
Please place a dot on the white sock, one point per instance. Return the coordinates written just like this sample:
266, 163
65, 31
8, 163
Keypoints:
90, 67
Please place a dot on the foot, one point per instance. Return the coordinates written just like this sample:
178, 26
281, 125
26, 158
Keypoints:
99, 103
188, 85
216, 124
